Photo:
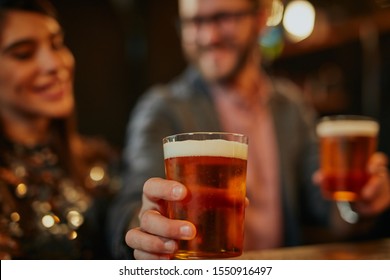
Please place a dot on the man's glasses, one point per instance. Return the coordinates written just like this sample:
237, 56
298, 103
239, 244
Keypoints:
222, 20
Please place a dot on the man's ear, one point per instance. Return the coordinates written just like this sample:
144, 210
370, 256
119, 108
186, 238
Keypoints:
262, 17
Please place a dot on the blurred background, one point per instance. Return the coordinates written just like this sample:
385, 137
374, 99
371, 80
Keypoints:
338, 51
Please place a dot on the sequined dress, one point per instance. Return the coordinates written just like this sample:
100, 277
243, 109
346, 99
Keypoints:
49, 215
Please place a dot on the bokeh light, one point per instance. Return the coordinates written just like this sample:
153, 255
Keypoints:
298, 20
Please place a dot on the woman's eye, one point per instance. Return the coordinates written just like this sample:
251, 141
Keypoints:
22, 55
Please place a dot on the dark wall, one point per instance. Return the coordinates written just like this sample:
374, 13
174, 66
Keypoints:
120, 50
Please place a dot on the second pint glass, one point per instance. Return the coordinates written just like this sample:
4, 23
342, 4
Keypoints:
346, 144
213, 168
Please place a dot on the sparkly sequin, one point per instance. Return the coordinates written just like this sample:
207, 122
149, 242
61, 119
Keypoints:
42, 208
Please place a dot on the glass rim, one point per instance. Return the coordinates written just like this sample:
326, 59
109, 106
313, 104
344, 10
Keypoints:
347, 125
169, 138
349, 117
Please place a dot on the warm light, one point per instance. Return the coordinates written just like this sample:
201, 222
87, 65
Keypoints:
21, 190
276, 13
97, 173
299, 19
48, 221
15, 217
72, 235
75, 218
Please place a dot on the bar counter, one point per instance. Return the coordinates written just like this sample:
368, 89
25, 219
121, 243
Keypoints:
367, 250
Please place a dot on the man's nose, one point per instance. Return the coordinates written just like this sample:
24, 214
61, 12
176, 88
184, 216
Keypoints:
208, 33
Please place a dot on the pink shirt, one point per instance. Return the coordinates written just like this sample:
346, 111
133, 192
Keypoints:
263, 215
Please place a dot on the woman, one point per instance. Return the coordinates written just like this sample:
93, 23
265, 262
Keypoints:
53, 182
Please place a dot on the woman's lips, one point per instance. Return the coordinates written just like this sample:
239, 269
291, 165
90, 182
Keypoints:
53, 91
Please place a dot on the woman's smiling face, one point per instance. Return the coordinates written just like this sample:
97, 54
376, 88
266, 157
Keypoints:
36, 68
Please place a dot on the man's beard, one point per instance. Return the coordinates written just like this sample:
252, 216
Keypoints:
242, 55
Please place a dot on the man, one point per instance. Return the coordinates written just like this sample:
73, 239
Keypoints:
224, 89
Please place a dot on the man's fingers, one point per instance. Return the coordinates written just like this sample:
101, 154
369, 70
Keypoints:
142, 255
378, 163
139, 240
161, 189
157, 224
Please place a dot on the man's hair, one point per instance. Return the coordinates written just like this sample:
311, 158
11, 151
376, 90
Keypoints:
261, 4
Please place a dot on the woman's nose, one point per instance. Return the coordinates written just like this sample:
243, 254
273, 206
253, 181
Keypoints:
49, 60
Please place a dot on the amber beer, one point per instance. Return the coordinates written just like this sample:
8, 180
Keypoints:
346, 143
214, 171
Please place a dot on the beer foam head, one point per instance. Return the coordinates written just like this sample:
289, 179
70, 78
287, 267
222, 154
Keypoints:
212, 147
347, 127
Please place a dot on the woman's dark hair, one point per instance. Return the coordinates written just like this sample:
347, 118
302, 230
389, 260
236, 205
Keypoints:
38, 6
43, 7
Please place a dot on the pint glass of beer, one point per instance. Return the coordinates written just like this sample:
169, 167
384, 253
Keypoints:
346, 144
213, 168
